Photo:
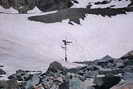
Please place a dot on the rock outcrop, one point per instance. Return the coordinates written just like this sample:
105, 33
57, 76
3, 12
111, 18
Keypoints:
56, 67
104, 73
5, 3
2, 72
75, 14
23, 6
51, 5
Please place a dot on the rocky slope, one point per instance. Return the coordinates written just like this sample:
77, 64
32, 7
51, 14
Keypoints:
23, 6
102, 73
75, 14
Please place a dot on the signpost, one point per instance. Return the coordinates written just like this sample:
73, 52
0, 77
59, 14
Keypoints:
66, 43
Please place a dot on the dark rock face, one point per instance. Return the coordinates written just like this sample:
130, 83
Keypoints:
103, 2
131, 4
23, 6
105, 62
5, 4
2, 72
75, 14
128, 55
56, 67
51, 5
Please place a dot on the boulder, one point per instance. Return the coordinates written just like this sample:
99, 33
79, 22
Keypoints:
51, 5
55, 67
5, 4
23, 6
2, 72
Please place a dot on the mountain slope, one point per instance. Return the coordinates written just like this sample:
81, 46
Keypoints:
33, 45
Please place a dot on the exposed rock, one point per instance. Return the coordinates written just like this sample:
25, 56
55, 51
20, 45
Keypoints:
119, 63
23, 6
51, 5
128, 76
64, 85
33, 81
105, 62
106, 82
9, 84
91, 76
128, 68
126, 85
2, 72
128, 55
103, 2
1, 66
75, 14
131, 4
5, 4
55, 67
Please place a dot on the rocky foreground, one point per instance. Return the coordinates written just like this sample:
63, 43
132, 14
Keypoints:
105, 73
